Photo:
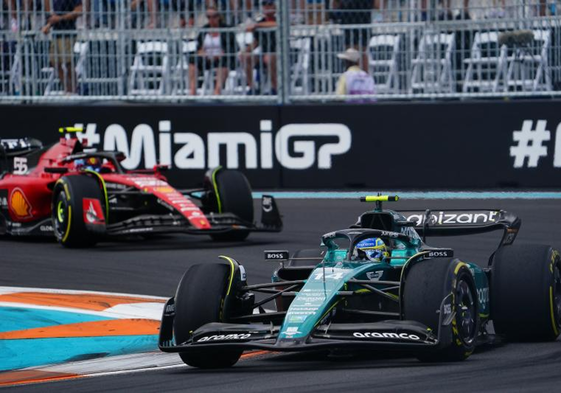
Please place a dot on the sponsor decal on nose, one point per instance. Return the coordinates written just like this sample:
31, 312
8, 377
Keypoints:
19, 204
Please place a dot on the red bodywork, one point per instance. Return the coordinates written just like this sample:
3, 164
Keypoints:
27, 197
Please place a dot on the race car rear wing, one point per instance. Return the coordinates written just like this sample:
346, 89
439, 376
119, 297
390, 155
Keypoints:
464, 222
19, 147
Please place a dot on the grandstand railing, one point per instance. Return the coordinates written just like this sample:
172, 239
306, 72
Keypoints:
149, 50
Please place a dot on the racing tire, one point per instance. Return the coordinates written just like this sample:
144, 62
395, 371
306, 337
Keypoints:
200, 300
427, 284
233, 195
526, 293
67, 210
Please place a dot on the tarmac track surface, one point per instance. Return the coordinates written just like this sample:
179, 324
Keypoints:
155, 267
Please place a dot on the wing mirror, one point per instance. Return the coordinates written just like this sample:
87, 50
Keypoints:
160, 168
59, 170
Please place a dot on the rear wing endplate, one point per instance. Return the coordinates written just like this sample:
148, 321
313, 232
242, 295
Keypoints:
270, 214
12, 148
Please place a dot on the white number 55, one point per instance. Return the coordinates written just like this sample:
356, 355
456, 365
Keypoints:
20, 166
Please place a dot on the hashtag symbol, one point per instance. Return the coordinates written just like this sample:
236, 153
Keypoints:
530, 144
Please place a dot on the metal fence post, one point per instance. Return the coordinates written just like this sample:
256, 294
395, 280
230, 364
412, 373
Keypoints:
283, 56
123, 36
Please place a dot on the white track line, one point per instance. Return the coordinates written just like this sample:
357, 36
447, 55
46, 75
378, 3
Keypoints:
7, 290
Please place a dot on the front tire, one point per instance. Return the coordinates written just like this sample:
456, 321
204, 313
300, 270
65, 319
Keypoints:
427, 284
526, 293
232, 194
200, 300
67, 210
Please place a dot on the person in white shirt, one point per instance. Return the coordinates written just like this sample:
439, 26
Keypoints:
216, 52
354, 81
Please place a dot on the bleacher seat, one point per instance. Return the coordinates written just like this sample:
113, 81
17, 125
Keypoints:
528, 67
180, 69
487, 64
384, 51
149, 73
432, 67
54, 87
300, 70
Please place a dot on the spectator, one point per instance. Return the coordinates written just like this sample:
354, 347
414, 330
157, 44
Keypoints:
213, 50
244, 9
27, 10
62, 20
233, 11
142, 10
264, 37
189, 10
314, 11
354, 81
185, 8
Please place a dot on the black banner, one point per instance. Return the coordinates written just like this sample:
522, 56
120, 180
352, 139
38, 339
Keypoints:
381, 146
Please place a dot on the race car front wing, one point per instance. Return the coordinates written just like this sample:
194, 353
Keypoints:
271, 221
388, 334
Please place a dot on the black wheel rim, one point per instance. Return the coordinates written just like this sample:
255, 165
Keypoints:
556, 295
60, 215
466, 310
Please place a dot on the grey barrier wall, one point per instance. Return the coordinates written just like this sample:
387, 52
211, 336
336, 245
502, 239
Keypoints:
416, 145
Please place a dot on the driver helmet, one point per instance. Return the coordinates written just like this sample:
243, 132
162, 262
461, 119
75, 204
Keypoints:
373, 249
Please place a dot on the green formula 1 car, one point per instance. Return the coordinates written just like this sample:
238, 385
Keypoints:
374, 286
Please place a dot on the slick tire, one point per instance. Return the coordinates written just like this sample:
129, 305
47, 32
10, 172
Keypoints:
526, 293
200, 300
233, 195
67, 210
427, 284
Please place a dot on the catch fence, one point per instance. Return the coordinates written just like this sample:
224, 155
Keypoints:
284, 51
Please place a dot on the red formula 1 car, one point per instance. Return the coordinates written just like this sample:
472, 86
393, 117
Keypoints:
84, 196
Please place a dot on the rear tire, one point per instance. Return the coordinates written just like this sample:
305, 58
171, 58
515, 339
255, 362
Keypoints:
200, 300
427, 284
67, 210
233, 195
526, 293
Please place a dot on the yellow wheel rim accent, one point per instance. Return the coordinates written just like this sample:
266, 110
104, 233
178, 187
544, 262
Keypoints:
232, 270
104, 188
216, 189
60, 211
553, 320
68, 225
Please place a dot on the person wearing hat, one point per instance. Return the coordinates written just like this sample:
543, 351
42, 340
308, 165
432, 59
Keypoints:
354, 81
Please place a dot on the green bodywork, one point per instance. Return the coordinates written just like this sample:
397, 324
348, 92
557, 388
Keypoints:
321, 292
